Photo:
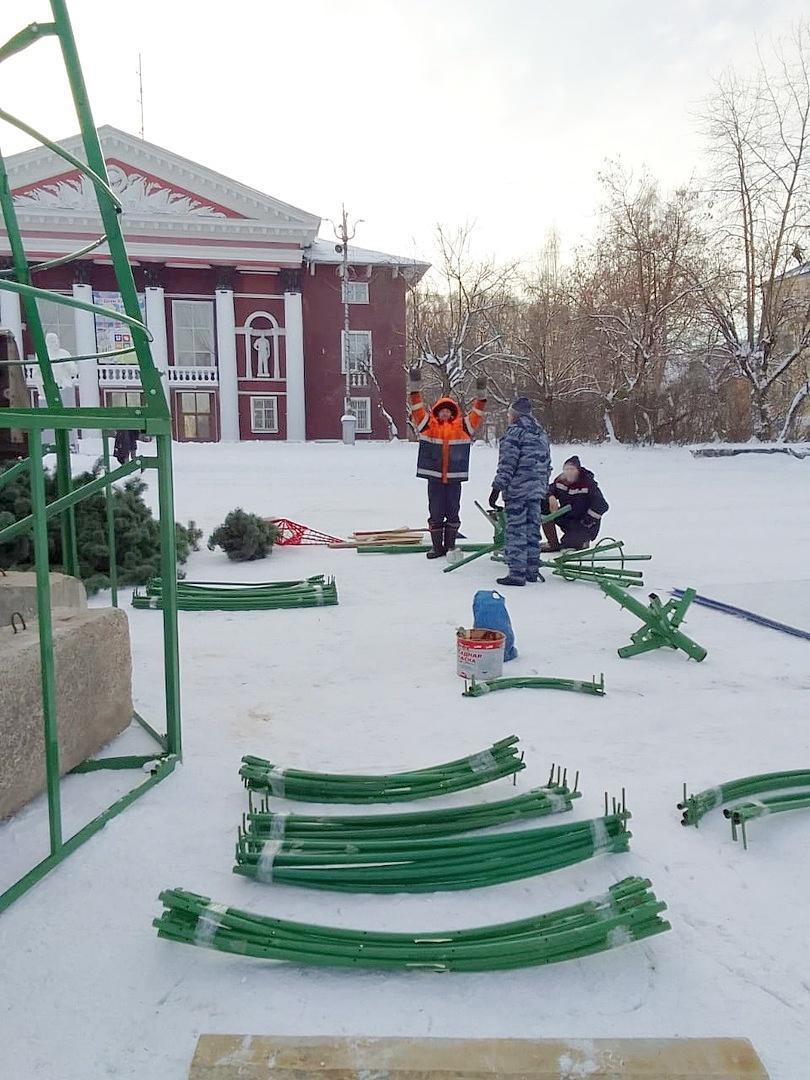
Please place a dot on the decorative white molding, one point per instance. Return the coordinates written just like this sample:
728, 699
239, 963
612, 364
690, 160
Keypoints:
122, 375
182, 376
137, 193
128, 376
32, 167
358, 380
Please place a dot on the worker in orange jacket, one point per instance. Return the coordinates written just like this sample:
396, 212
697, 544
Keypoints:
445, 437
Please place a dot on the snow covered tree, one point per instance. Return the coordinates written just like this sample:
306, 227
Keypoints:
455, 320
758, 132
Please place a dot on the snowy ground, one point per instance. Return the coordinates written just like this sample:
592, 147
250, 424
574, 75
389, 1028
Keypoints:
87, 990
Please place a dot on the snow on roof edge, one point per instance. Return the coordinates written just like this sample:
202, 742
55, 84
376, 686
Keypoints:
323, 251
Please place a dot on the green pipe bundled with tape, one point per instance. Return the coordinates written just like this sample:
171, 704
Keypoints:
501, 759
316, 591
695, 806
431, 864
265, 824
756, 808
628, 912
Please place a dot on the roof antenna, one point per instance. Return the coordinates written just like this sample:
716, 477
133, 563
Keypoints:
140, 91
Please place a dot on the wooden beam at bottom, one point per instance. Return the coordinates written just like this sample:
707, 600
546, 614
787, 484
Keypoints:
268, 1057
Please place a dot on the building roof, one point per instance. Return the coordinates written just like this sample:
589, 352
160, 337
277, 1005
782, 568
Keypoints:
330, 253
173, 208
797, 271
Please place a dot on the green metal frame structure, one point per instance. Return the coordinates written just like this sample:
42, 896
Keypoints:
152, 417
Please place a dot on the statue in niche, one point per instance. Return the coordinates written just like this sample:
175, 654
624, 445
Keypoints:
263, 349
65, 373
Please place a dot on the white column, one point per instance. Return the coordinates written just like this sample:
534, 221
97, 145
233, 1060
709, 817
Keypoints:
294, 346
11, 317
85, 323
155, 303
226, 358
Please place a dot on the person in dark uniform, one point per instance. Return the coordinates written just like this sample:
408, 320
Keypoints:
576, 487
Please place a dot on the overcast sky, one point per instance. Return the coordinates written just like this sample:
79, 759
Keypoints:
412, 111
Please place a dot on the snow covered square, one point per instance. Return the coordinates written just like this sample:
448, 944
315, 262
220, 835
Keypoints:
88, 990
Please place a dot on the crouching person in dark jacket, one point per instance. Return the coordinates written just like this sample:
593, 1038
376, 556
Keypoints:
524, 464
575, 487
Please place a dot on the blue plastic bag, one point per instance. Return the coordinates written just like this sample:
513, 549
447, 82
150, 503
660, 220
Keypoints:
489, 613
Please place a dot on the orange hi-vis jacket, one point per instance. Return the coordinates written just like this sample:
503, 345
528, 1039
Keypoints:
444, 447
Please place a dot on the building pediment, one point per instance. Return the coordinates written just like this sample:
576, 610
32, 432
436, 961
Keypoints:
155, 187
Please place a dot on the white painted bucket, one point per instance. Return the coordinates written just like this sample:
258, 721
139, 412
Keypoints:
480, 654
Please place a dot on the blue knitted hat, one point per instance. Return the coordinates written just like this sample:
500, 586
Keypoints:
521, 406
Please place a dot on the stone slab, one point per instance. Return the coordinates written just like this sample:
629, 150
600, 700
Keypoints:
268, 1057
93, 670
18, 592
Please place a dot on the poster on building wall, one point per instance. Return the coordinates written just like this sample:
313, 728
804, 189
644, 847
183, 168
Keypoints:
112, 335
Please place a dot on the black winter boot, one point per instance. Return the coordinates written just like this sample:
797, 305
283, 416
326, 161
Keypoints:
512, 579
437, 539
450, 534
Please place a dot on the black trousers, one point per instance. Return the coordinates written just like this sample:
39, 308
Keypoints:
444, 503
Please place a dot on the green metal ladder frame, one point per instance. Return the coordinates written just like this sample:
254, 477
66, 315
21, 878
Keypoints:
152, 417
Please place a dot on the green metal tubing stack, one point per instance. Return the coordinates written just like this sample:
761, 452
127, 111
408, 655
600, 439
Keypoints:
628, 912
264, 824
532, 682
500, 759
695, 806
241, 596
432, 864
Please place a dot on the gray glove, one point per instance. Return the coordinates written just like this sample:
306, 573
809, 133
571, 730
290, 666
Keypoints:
481, 384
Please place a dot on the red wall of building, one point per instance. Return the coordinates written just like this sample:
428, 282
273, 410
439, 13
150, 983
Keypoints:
384, 316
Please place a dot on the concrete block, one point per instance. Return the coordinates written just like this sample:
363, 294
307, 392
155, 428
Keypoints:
93, 668
271, 1057
18, 592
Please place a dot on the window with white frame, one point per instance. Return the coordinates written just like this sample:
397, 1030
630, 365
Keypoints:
124, 399
355, 292
264, 414
361, 407
193, 331
358, 349
58, 319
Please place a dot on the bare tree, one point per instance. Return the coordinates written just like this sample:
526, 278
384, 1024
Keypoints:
640, 291
758, 131
544, 360
455, 319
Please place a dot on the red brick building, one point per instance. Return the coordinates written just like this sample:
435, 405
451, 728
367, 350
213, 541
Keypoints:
244, 302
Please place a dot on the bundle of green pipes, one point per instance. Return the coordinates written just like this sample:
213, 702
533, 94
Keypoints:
429, 864
555, 798
776, 804
501, 759
241, 596
628, 912
534, 682
695, 806
589, 565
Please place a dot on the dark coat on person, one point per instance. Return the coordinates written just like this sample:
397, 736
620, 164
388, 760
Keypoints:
584, 496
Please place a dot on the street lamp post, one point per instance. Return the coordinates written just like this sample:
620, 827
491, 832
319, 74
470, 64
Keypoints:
348, 420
